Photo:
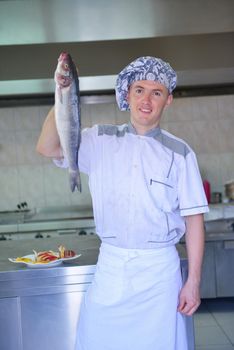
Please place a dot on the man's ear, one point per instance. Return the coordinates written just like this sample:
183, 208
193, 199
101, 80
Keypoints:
127, 96
169, 99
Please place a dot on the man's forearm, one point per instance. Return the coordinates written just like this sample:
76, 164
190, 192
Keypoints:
195, 246
48, 143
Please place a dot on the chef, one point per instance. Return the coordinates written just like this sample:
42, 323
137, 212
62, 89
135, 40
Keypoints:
147, 193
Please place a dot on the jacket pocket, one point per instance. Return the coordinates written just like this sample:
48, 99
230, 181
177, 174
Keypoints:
163, 192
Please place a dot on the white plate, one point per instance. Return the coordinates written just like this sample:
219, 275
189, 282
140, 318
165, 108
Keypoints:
49, 264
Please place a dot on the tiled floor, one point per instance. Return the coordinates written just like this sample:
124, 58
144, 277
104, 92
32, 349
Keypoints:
214, 324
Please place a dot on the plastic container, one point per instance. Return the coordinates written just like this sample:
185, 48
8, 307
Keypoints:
206, 186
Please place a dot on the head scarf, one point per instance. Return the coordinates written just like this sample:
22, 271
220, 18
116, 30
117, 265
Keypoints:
143, 68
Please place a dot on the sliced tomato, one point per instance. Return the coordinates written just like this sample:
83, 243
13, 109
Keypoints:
68, 253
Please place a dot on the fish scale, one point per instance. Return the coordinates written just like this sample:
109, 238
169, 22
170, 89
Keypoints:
68, 115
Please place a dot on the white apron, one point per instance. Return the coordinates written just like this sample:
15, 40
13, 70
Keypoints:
132, 302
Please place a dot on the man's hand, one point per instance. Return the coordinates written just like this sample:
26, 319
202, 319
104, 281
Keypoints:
189, 298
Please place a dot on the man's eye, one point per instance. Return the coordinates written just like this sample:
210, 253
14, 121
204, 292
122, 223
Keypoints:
157, 93
138, 91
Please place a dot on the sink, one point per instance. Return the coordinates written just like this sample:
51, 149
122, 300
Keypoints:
15, 216
29, 215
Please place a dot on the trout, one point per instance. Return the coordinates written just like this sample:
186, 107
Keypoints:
67, 115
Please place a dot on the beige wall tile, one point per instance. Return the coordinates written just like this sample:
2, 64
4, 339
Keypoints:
227, 167
225, 106
206, 138
26, 148
43, 111
225, 129
179, 110
102, 114
85, 117
122, 117
210, 168
7, 148
7, 119
56, 185
202, 136
31, 185
58, 200
9, 188
205, 108
27, 118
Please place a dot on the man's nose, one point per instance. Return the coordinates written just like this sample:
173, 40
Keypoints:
146, 97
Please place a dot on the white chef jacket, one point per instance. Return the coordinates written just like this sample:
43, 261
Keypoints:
141, 186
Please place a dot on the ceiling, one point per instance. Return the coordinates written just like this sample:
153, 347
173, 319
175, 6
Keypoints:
196, 37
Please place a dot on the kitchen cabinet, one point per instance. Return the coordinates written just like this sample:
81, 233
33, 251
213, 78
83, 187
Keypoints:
45, 321
217, 272
39, 321
39, 308
10, 335
224, 252
50, 320
208, 279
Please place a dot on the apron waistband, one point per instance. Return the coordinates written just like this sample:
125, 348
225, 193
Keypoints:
129, 253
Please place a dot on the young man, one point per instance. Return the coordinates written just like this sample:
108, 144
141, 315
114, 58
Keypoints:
147, 193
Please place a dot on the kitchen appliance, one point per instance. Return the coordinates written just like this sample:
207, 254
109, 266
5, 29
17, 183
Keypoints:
206, 186
229, 190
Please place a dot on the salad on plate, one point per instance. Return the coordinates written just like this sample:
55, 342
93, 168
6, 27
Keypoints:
47, 258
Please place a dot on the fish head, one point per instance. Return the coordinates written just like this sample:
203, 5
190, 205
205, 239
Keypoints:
65, 70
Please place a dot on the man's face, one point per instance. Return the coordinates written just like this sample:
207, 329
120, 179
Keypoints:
147, 100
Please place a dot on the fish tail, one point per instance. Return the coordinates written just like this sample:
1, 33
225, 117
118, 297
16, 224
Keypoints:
75, 181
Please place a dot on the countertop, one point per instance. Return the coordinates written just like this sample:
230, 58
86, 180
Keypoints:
48, 218
220, 211
19, 280
87, 246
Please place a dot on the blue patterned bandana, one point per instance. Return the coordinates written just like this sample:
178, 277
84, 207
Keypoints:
143, 68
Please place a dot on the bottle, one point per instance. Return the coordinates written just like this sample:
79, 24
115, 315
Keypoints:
206, 186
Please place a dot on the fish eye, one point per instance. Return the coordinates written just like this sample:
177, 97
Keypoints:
66, 65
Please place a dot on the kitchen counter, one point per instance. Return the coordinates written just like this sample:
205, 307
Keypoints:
88, 246
220, 211
12, 276
46, 219
40, 307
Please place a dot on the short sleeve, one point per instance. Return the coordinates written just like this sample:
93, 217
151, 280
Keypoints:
61, 162
192, 198
85, 151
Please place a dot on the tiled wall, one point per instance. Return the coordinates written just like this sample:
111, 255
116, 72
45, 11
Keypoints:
206, 123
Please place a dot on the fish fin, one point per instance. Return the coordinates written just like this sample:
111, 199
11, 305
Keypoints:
75, 181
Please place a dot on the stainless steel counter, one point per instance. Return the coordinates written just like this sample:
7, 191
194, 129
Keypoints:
39, 308
88, 246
